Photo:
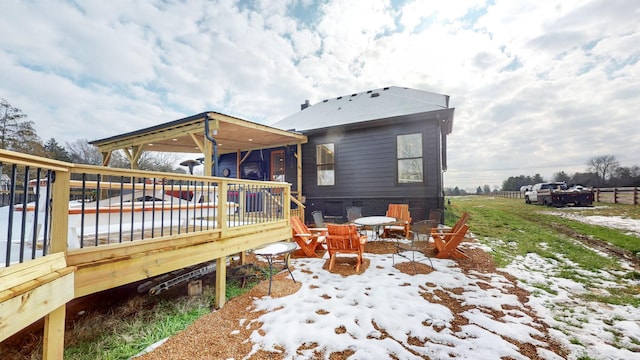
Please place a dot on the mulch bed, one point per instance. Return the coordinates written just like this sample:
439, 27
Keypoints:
215, 336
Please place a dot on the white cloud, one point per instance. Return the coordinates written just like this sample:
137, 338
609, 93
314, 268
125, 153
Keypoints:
528, 79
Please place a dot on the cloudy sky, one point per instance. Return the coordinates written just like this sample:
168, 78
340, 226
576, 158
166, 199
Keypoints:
538, 86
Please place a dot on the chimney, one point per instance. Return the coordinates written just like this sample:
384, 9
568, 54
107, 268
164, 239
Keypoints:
305, 105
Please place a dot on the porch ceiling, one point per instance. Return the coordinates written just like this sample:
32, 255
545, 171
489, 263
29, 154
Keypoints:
187, 135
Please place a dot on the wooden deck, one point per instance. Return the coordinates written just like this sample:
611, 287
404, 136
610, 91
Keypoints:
34, 288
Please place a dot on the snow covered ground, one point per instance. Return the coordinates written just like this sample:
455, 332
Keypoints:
631, 226
384, 312
588, 329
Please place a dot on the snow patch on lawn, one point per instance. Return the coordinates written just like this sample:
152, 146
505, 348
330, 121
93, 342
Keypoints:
631, 226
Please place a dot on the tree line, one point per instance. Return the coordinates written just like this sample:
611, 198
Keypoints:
17, 133
601, 171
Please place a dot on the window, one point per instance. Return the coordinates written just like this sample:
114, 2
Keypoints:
409, 154
325, 165
277, 169
251, 171
277, 166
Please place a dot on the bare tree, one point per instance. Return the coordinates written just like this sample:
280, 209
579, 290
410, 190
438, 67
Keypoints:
603, 166
81, 152
626, 176
154, 161
586, 179
160, 161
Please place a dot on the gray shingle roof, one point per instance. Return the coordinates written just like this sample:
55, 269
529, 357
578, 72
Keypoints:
368, 105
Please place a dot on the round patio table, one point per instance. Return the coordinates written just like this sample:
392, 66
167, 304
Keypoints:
272, 250
375, 222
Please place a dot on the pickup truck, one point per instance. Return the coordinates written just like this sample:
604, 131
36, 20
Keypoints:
558, 194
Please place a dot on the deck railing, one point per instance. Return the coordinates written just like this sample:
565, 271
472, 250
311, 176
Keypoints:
299, 208
120, 205
24, 236
69, 230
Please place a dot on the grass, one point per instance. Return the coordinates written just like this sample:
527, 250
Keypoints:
142, 321
118, 337
514, 229
613, 236
510, 227
528, 229
120, 331
545, 287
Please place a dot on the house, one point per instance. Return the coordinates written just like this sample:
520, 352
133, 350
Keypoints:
370, 149
366, 149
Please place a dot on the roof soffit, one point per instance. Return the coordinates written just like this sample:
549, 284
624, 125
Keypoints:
187, 136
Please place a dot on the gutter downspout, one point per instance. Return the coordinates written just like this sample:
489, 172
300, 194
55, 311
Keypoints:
214, 143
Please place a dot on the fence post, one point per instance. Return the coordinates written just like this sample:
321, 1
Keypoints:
635, 195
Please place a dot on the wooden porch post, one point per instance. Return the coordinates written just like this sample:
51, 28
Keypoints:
221, 282
221, 262
134, 156
208, 155
238, 155
106, 157
53, 340
60, 212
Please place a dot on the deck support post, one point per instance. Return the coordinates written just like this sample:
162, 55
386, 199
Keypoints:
53, 342
221, 282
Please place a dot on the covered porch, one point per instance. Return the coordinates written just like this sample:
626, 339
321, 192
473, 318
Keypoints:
211, 134
56, 250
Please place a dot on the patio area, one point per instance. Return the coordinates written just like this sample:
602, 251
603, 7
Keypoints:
457, 309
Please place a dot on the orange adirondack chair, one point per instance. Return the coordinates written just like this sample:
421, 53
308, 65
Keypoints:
401, 213
308, 239
448, 248
436, 231
447, 242
344, 238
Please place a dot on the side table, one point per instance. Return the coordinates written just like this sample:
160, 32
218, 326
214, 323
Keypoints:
272, 250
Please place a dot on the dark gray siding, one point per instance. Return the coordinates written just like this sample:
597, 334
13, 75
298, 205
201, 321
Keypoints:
366, 168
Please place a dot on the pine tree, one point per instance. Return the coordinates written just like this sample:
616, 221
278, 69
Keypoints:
55, 151
16, 133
